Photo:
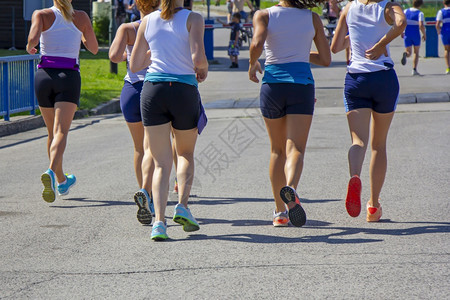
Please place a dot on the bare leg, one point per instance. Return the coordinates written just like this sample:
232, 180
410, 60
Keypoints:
276, 128
378, 163
148, 166
63, 116
160, 148
137, 134
408, 51
297, 135
185, 146
447, 55
48, 114
416, 56
358, 122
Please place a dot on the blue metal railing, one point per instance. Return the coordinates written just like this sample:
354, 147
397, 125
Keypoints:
17, 84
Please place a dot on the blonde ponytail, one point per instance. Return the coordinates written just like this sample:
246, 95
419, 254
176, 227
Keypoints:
168, 9
66, 9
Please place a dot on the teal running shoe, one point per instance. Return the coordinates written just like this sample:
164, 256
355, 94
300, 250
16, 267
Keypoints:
145, 204
48, 180
159, 231
183, 216
63, 189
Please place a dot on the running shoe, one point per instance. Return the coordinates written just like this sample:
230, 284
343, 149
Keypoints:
373, 213
403, 61
63, 189
145, 204
447, 71
415, 73
159, 231
175, 188
297, 214
353, 200
183, 216
48, 180
280, 219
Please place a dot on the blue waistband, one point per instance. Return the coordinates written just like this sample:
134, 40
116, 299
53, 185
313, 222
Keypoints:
165, 77
295, 72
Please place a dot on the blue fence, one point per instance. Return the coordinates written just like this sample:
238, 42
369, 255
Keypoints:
17, 84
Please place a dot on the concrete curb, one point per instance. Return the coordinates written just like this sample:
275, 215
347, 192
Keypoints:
32, 122
113, 106
403, 99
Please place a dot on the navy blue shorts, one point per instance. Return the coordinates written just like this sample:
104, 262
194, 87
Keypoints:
176, 102
279, 99
57, 85
130, 101
376, 90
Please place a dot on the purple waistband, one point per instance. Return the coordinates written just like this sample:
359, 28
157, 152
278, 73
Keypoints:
56, 62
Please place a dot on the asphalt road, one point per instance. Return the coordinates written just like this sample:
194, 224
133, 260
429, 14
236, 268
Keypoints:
89, 245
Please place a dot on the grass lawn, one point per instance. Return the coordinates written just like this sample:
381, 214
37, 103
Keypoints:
98, 85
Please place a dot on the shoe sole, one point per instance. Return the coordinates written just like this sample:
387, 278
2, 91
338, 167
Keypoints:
281, 224
188, 225
297, 214
67, 192
159, 238
143, 215
403, 61
353, 199
48, 194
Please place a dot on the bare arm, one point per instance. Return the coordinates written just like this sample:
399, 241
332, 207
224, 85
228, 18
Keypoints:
35, 32
394, 15
140, 56
221, 22
260, 23
196, 28
340, 39
323, 55
88, 38
117, 48
422, 29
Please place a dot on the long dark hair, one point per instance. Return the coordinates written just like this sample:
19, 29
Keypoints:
302, 4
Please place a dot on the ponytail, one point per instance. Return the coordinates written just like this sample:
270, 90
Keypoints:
167, 9
66, 9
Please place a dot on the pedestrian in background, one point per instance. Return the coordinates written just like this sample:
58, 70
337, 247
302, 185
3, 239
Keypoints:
233, 45
415, 25
443, 29
59, 30
286, 32
370, 93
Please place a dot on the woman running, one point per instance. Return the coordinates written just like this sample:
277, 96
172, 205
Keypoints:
371, 91
171, 41
287, 93
130, 105
59, 30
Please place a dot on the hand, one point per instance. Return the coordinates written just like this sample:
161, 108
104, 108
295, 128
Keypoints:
403, 35
424, 37
31, 50
201, 74
376, 51
252, 71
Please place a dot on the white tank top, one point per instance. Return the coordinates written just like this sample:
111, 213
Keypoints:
62, 39
130, 76
289, 35
366, 26
168, 41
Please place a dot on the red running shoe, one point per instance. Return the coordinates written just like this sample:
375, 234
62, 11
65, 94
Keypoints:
353, 200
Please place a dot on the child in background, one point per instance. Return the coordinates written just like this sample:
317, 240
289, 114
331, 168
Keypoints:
443, 18
415, 25
233, 46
